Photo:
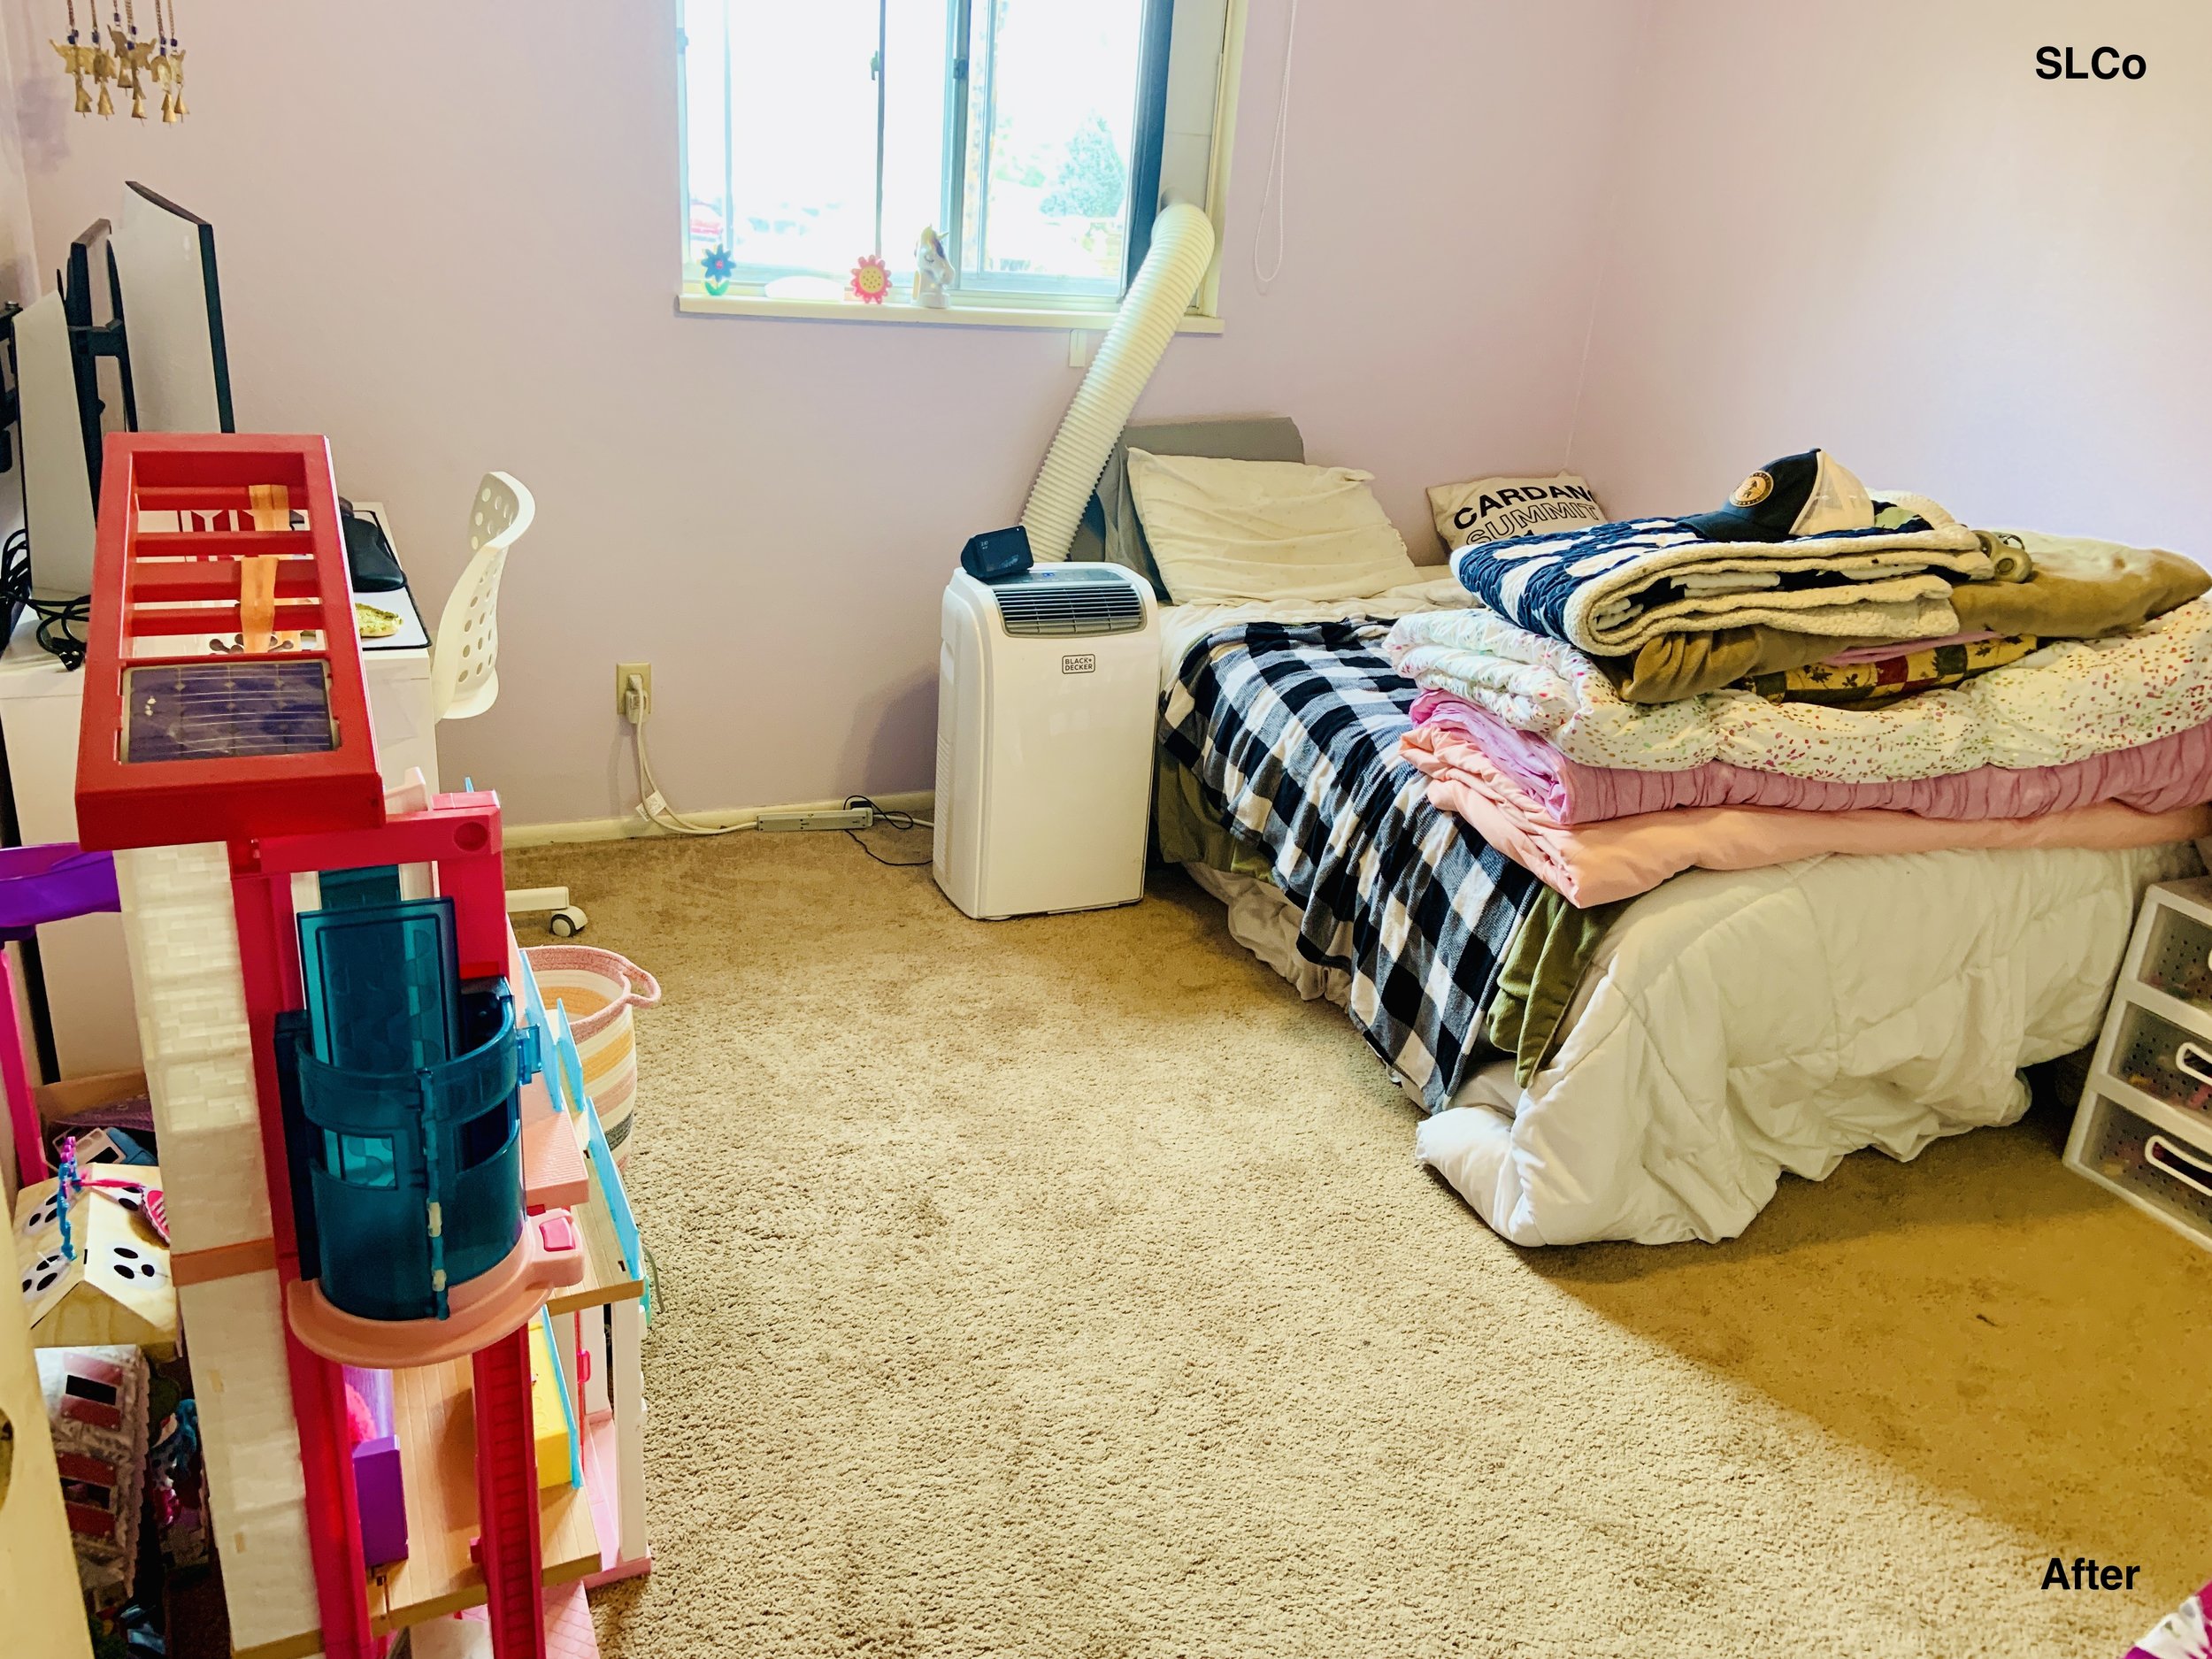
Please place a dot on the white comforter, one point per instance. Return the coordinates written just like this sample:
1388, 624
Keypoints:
1736, 1026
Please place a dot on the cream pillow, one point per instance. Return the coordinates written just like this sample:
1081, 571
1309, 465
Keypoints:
1499, 508
1226, 531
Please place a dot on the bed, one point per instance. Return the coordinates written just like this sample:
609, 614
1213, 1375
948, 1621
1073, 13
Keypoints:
1720, 1030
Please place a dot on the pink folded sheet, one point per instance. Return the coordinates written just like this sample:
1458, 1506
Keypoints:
1596, 863
2173, 771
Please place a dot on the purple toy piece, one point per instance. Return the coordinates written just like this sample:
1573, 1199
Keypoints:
377, 1486
50, 883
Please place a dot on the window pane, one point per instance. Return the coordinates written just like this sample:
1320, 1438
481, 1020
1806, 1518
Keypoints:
781, 112
1051, 106
917, 87
706, 176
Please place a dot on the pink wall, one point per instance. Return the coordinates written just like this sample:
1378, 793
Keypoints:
448, 236
1867, 225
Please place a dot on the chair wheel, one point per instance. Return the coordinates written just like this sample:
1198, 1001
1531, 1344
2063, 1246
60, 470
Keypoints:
566, 923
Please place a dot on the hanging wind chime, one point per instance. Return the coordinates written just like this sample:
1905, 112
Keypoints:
124, 61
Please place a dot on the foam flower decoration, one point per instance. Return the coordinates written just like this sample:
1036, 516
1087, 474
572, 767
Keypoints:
870, 280
716, 268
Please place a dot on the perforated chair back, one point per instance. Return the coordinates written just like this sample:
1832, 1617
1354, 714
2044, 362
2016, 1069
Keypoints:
465, 660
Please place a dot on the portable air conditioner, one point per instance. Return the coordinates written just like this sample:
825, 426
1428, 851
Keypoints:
1047, 692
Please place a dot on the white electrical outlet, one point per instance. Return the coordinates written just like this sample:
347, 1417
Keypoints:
622, 672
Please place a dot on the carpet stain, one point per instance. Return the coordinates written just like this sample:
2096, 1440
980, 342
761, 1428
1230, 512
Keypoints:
1065, 1286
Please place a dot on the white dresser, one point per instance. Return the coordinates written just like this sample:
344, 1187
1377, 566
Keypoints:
87, 979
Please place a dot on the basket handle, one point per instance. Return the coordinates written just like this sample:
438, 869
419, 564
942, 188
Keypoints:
645, 990
2186, 1171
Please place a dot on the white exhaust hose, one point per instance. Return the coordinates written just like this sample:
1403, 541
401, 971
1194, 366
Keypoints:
1182, 248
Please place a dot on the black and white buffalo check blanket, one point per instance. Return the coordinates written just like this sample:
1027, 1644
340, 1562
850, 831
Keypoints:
1292, 730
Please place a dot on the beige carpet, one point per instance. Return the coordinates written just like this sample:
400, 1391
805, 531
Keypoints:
1066, 1288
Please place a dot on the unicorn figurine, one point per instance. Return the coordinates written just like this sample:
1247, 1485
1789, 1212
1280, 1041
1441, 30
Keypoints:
933, 272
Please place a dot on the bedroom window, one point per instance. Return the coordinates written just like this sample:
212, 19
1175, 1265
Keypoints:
1034, 136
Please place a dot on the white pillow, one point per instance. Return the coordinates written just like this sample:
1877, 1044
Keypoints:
1226, 531
1499, 508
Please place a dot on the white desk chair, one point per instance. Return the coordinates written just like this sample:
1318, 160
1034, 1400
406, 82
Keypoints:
464, 657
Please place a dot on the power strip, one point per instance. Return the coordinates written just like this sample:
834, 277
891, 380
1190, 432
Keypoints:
849, 817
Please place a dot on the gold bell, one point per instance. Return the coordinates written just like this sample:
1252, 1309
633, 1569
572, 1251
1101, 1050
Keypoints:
84, 98
106, 106
138, 103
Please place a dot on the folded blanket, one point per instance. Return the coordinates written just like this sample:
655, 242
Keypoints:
2155, 777
1603, 863
1871, 684
1677, 666
2068, 702
1609, 588
2080, 589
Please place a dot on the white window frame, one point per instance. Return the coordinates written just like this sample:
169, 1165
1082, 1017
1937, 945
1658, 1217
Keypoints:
1205, 55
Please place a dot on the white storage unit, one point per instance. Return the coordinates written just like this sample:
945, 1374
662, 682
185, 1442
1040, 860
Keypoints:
2144, 1128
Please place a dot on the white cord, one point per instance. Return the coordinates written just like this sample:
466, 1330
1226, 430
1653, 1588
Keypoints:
648, 791
1278, 161
653, 806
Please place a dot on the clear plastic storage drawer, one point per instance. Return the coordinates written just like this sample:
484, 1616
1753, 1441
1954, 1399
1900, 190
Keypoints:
2178, 958
2159, 1058
2137, 1158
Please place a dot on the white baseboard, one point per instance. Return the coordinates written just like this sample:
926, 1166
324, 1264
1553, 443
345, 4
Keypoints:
634, 828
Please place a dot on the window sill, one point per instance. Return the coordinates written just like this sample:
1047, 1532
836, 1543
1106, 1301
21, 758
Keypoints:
972, 316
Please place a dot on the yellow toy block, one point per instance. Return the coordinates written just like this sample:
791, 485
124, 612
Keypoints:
548, 1409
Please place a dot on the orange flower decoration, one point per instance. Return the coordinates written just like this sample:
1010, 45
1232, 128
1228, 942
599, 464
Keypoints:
870, 280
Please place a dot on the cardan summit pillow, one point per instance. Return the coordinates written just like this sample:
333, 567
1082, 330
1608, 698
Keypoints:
1499, 508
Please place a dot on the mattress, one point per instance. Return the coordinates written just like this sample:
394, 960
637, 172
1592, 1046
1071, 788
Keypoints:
1734, 1026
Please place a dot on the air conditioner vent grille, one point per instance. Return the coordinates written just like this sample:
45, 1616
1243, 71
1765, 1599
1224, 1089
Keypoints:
1069, 601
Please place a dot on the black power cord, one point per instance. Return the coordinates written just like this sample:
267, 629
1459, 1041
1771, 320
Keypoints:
61, 622
897, 820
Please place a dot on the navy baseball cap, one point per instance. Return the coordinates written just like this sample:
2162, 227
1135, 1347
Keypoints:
1807, 494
